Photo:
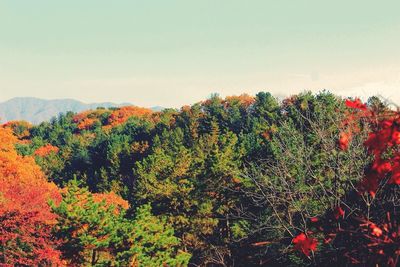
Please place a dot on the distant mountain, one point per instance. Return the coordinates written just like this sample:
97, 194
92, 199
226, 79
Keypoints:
37, 110
157, 108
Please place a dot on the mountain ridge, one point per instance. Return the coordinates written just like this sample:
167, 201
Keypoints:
36, 110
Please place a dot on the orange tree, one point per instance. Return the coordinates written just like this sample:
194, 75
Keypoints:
25, 217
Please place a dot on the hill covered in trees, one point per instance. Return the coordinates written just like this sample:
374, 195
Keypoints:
312, 180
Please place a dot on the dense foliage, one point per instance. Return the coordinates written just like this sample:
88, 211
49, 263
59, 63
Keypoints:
25, 217
240, 181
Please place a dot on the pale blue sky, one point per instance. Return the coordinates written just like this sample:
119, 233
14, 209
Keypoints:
173, 52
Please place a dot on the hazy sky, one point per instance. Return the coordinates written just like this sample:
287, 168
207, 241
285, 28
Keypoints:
170, 52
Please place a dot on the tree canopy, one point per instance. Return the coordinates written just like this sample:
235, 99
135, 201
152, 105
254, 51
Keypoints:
312, 179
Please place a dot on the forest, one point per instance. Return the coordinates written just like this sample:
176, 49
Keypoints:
311, 180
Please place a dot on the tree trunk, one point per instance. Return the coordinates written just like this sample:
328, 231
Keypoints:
94, 257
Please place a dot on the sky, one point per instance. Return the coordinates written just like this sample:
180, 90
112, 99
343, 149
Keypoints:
177, 52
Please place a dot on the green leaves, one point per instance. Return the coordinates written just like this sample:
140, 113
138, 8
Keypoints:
152, 242
85, 226
93, 229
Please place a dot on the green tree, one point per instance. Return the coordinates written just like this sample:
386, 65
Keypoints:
85, 227
151, 242
94, 231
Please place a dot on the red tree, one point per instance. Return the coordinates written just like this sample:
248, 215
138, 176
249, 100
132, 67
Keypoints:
366, 229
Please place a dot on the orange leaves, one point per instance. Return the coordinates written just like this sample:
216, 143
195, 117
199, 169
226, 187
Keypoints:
80, 116
244, 100
46, 150
266, 135
85, 120
24, 212
236, 180
111, 199
121, 115
305, 244
86, 123
7, 140
20, 128
344, 139
22, 183
375, 230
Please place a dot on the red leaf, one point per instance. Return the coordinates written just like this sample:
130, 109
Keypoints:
305, 244
338, 213
382, 166
356, 104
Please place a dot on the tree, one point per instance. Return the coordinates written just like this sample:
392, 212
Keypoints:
87, 224
25, 217
150, 242
364, 229
93, 229
306, 173
121, 115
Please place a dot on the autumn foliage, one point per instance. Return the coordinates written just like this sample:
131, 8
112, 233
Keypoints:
111, 199
85, 120
122, 114
364, 238
312, 180
19, 128
111, 117
25, 217
244, 100
381, 144
46, 150
305, 244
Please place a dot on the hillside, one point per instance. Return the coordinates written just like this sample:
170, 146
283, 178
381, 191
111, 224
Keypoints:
312, 180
